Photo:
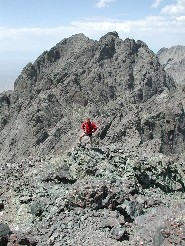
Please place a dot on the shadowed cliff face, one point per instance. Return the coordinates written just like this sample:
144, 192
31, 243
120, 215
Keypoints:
120, 84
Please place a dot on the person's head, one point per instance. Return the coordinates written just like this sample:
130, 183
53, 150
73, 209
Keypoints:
88, 119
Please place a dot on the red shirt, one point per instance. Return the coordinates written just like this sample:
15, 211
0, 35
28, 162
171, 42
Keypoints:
89, 127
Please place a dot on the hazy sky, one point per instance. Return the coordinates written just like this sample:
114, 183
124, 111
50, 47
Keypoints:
29, 27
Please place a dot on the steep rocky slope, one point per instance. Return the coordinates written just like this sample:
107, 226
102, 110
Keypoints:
126, 190
173, 60
111, 80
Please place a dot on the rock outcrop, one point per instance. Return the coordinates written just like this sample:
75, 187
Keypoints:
95, 196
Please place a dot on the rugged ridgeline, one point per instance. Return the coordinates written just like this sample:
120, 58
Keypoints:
173, 60
126, 189
120, 84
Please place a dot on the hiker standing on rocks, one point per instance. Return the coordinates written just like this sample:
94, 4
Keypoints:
88, 128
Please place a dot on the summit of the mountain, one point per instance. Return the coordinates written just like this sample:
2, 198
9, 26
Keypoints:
173, 60
128, 189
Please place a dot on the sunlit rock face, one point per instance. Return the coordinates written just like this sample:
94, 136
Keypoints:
173, 60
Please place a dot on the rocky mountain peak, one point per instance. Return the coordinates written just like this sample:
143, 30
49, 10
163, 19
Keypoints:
162, 50
80, 76
172, 55
173, 60
126, 189
109, 36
